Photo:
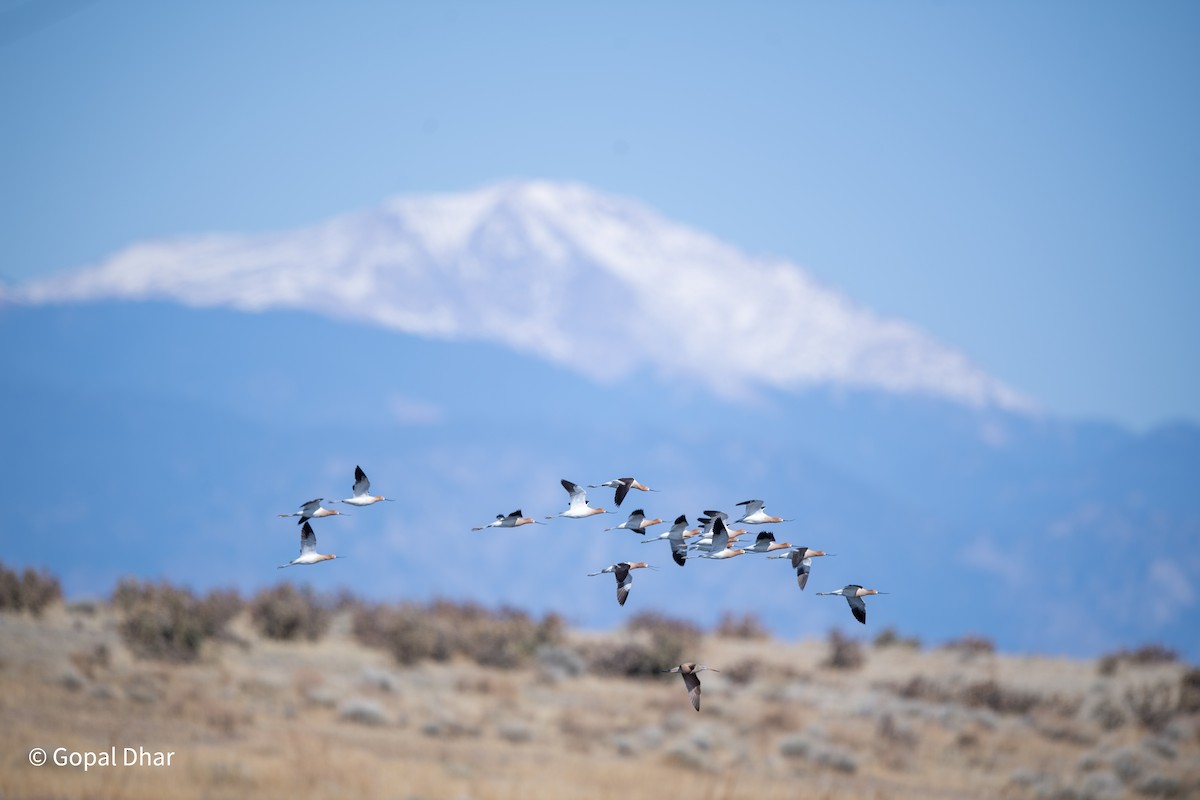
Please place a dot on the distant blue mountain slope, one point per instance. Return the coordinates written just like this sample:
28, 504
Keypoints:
176, 435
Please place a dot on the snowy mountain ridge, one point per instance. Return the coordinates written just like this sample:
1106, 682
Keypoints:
596, 283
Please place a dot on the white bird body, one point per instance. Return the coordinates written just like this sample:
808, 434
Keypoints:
361, 491
577, 506
511, 521
854, 595
308, 549
765, 543
723, 554
311, 510
637, 523
755, 515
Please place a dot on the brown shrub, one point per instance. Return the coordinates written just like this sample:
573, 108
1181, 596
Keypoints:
990, 694
888, 637
971, 645
506, 638
287, 613
1153, 705
1189, 691
170, 623
920, 688
844, 652
1146, 655
651, 642
745, 671
32, 591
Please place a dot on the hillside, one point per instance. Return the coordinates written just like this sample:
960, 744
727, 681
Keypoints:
173, 436
253, 716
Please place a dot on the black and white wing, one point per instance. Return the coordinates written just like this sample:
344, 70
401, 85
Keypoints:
361, 484
803, 565
308, 540
624, 581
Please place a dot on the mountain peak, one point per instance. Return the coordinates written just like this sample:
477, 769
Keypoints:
597, 283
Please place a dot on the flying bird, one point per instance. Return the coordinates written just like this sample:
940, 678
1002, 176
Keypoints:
801, 558
577, 506
311, 509
755, 515
692, 680
719, 548
765, 543
621, 573
622, 485
308, 549
703, 536
360, 491
675, 537
637, 523
511, 521
854, 595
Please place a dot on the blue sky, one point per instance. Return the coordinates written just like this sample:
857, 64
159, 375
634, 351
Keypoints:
1018, 179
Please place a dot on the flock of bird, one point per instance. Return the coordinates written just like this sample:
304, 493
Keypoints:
360, 496
713, 539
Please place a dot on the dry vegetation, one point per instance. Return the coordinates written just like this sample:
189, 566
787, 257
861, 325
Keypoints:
288, 694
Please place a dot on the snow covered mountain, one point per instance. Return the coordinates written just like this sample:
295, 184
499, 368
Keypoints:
596, 283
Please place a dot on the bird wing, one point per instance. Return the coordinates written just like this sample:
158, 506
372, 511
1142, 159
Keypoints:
692, 681
802, 571
623, 485
720, 536
577, 493
308, 540
675, 537
858, 608
802, 563
624, 581
752, 506
308, 508
361, 484
765, 537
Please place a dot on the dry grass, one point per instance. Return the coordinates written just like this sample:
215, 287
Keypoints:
253, 716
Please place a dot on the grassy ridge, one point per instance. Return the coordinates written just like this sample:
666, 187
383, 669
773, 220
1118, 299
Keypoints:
291, 694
